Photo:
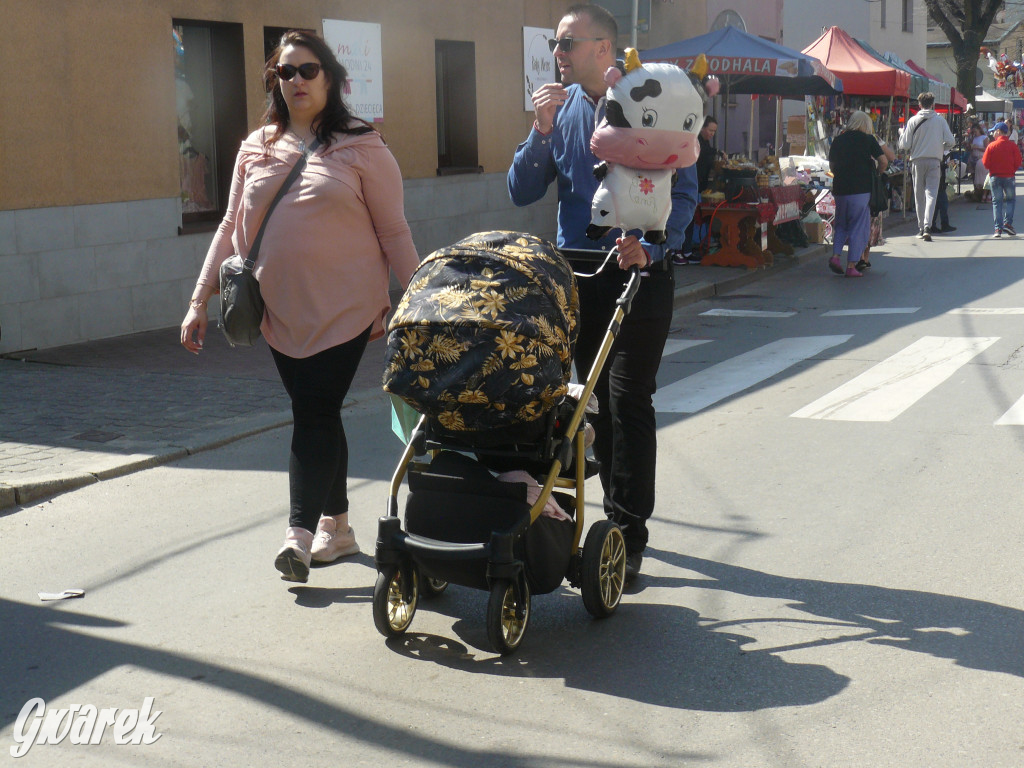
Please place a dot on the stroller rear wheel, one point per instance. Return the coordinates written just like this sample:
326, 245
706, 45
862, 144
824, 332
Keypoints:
431, 587
393, 609
505, 627
603, 569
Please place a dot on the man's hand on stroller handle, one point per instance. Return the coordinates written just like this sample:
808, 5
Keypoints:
631, 253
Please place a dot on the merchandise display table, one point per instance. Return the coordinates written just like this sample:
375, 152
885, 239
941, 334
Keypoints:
747, 235
741, 233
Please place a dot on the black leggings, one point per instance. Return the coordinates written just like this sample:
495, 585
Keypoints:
318, 465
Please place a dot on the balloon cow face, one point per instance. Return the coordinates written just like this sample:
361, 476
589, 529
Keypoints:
653, 116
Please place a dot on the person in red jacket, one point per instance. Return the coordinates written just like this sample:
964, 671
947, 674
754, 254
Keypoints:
1002, 159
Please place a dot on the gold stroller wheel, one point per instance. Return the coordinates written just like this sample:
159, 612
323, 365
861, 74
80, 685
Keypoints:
392, 613
603, 568
505, 629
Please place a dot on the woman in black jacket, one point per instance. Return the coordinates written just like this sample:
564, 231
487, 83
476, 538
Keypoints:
853, 159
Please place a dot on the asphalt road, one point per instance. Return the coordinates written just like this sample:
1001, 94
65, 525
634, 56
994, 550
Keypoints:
833, 577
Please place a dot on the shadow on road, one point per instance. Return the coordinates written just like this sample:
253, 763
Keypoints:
32, 633
973, 633
649, 653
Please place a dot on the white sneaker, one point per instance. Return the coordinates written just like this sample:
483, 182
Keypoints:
330, 543
293, 558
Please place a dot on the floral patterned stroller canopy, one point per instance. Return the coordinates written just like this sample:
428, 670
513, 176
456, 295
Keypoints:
483, 336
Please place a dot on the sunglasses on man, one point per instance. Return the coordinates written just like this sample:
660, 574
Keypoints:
308, 71
566, 43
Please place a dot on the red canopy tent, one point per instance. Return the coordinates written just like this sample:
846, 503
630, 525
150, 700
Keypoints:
958, 102
862, 74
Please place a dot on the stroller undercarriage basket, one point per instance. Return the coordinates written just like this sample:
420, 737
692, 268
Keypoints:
454, 498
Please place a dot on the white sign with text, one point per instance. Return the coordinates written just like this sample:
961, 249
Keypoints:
357, 46
538, 61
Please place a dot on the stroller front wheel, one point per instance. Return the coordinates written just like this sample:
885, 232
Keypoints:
603, 568
507, 616
393, 608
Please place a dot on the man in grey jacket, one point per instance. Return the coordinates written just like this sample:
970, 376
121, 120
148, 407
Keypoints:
927, 137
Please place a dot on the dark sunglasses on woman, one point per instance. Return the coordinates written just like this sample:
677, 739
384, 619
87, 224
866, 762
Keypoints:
308, 71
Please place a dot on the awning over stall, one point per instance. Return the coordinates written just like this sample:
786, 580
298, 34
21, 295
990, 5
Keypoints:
862, 74
956, 99
992, 104
749, 64
918, 82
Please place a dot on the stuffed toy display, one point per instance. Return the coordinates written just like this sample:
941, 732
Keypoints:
653, 115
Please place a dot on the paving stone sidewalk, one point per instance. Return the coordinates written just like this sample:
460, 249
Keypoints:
78, 414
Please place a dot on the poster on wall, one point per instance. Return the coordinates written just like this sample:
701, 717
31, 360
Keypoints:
538, 61
357, 46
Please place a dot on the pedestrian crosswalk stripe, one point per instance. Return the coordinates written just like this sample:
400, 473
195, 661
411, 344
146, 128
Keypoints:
887, 389
878, 311
746, 313
1014, 416
729, 377
987, 311
678, 345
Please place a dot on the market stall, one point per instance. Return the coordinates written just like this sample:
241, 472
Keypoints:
990, 104
747, 199
867, 81
748, 64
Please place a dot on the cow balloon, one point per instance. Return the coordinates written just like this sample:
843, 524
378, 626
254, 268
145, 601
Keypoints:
653, 116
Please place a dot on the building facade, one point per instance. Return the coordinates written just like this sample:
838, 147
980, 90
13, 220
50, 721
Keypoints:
897, 26
116, 155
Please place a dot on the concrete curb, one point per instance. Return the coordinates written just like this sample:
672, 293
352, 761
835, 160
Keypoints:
32, 491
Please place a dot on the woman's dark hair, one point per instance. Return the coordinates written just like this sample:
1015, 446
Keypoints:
335, 116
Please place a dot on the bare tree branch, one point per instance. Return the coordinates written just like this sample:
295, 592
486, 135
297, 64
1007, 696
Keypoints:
965, 23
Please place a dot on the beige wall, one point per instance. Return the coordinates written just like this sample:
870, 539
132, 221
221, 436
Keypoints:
98, 123
906, 45
85, 126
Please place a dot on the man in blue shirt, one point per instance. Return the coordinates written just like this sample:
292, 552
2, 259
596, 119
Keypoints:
558, 149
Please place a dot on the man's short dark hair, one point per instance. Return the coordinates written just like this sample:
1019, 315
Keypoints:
926, 99
709, 120
599, 17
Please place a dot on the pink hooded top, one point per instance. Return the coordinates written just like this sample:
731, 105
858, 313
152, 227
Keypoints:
323, 264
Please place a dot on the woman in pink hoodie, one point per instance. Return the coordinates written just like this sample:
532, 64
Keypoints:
323, 268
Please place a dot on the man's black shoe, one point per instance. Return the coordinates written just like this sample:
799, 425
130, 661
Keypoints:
633, 563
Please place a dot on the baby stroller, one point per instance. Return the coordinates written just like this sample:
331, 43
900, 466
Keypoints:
496, 465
